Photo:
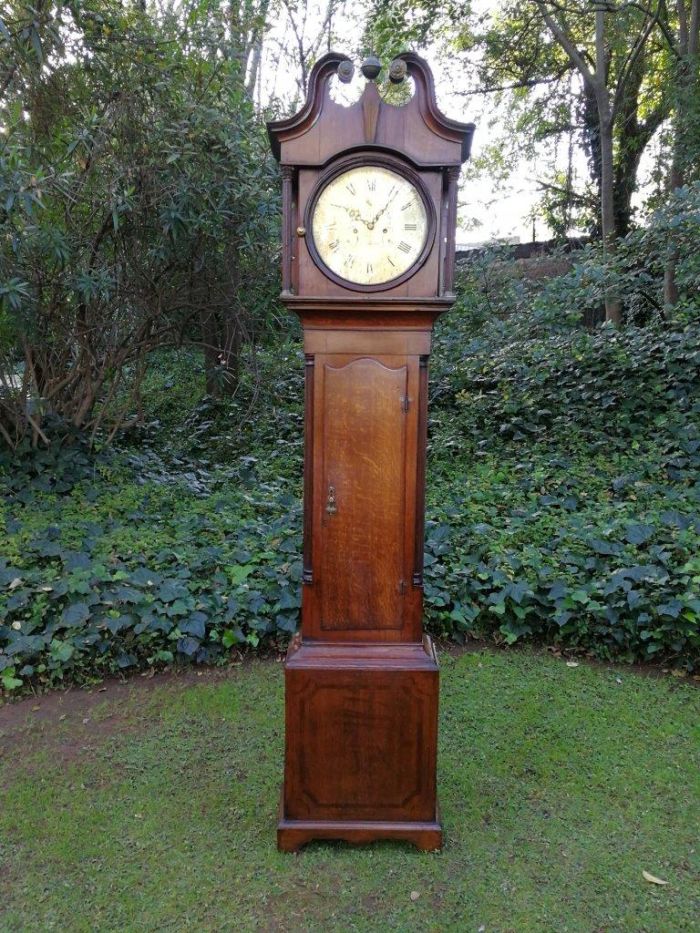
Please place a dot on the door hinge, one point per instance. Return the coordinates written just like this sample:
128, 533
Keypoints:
405, 400
402, 587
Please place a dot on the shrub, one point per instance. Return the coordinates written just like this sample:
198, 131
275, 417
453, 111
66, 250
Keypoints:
567, 500
138, 195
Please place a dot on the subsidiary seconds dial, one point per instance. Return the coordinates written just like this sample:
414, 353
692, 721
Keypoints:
369, 225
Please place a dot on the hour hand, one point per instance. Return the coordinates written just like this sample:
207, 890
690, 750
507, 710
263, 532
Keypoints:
355, 214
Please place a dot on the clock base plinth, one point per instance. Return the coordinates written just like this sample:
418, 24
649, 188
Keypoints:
293, 834
361, 743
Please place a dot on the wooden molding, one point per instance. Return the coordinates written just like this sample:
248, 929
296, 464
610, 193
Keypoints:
360, 124
370, 102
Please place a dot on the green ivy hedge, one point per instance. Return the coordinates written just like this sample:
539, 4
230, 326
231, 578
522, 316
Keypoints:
577, 457
563, 507
136, 569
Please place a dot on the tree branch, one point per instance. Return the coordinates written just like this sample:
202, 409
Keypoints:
532, 82
567, 43
632, 58
586, 200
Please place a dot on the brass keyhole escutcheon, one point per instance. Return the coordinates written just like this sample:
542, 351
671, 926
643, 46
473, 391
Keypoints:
330, 505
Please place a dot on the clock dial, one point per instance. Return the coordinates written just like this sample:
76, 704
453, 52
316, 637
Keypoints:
369, 225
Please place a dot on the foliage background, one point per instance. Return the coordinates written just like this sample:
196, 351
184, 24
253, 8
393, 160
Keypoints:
151, 388
563, 502
138, 194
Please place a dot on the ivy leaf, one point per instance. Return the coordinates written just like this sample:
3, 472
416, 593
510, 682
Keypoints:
61, 650
75, 614
603, 547
169, 591
231, 637
195, 625
142, 576
122, 622
240, 572
289, 599
639, 534
188, 646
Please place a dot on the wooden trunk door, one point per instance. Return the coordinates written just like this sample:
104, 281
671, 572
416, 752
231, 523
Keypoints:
362, 430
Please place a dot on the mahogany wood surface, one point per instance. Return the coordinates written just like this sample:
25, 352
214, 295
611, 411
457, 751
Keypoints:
323, 129
361, 679
293, 834
361, 535
380, 722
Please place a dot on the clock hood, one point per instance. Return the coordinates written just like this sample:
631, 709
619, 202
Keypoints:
417, 129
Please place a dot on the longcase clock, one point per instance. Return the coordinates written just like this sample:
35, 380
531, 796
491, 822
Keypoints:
369, 212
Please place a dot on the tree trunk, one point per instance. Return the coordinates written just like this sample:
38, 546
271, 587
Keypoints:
670, 286
634, 136
613, 308
625, 176
607, 103
591, 135
687, 87
254, 56
208, 337
230, 356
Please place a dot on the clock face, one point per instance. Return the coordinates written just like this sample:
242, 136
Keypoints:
369, 225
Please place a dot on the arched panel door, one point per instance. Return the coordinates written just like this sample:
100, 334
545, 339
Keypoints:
360, 496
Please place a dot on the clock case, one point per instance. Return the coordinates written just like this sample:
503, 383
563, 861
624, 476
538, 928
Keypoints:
361, 678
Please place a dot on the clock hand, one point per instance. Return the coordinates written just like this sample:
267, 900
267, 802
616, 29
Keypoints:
355, 215
391, 198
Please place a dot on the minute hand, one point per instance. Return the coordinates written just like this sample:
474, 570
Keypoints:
379, 214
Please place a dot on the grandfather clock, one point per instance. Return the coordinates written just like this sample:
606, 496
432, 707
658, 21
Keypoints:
369, 211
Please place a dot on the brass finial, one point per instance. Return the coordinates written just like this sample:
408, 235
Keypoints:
346, 69
371, 67
397, 71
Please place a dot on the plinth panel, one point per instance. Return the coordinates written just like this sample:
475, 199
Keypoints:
361, 736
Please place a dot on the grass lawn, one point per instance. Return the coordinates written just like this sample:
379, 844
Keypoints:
152, 806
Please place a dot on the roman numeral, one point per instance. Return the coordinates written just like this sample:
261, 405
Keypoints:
334, 245
410, 227
370, 268
408, 204
351, 188
392, 264
349, 261
404, 247
371, 184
